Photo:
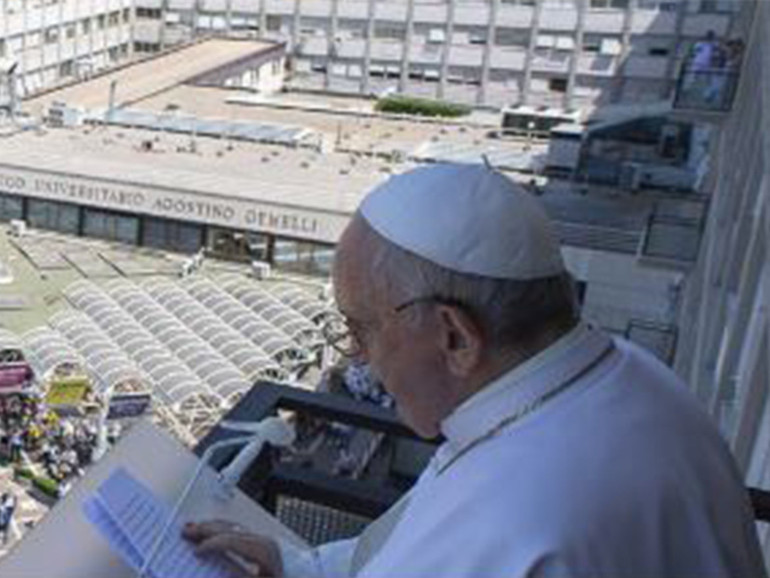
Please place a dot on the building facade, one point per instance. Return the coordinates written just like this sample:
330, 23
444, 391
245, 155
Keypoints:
45, 42
724, 347
562, 53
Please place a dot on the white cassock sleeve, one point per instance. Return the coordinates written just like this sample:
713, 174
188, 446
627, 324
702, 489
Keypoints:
330, 560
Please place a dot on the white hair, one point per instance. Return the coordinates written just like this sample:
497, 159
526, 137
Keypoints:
509, 312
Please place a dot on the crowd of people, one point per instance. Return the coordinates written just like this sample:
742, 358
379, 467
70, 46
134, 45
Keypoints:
36, 437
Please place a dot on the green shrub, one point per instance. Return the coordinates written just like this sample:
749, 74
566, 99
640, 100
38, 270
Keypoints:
399, 104
46, 485
22, 472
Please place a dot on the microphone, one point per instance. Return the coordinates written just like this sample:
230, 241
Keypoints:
273, 430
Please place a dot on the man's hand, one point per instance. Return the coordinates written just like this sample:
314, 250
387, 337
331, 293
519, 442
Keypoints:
253, 555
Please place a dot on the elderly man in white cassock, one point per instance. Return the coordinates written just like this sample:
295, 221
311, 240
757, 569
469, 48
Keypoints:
567, 452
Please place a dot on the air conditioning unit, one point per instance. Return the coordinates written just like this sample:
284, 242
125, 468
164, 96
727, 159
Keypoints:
18, 227
260, 270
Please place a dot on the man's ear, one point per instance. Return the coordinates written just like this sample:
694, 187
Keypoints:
461, 340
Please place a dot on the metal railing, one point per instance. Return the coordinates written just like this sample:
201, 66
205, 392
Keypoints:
711, 87
268, 477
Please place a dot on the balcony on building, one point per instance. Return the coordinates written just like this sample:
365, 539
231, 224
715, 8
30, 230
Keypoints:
709, 86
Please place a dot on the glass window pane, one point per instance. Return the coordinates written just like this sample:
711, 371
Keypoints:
127, 230
67, 219
303, 257
11, 207
171, 235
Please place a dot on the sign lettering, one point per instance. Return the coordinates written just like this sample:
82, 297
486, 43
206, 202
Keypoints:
245, 214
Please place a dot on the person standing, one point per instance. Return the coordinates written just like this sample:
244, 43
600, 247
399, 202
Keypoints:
567, 452
7, 510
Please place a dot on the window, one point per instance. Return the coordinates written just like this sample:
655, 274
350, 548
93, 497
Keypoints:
127, 14
303, 257
111, 226
511, 37
603, 4
237, 245
51, 35
591, 43
71, 31
720, 6
390, 30
11, 207
86, 25
172, 235
273, 23
114, 19
52, 215
611, 46
101, 21
66, 68
557, 84
477, 37
436, 36
149, 13
146, 47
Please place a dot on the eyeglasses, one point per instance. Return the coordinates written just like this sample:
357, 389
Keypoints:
347, 337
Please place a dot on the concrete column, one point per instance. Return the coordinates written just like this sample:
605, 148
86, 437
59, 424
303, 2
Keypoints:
447, 48
619, 80
132, 27
43, 30
196, 17
262, 18
526, 80
370, 16
331, 39
735, 332
229, 16
60, 40
403, 79
295, 26
78, 32
5, 29
481, 93
91, 31
672, 65
24, 27
163, 14
106, 33
582, 8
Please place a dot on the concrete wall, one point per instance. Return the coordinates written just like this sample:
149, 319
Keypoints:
724, 352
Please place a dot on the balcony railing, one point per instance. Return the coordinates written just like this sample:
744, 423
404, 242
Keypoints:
270, 479
709, 87
706, 90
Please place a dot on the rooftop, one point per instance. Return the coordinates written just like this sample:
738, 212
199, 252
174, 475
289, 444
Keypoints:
152, 75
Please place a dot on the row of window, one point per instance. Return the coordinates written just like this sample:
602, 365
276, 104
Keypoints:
166, 234
69, 31
99, 22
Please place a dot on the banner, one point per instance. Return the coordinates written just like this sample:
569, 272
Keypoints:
69, 391
125, 405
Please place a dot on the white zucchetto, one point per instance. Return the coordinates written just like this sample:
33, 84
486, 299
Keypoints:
468, 218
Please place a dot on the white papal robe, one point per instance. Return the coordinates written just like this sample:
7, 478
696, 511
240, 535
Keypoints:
618, 473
